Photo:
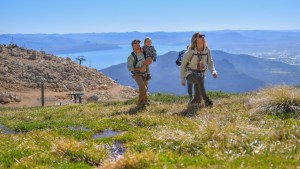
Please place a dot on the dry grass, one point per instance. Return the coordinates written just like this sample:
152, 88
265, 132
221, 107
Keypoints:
279, 100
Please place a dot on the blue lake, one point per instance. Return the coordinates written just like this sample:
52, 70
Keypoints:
105, 58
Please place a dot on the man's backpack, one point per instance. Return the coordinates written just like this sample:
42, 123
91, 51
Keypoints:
179, 57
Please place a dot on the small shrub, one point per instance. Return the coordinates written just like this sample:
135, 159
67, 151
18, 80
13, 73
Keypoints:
283, 101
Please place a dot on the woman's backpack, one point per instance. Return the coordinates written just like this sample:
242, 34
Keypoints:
179, 57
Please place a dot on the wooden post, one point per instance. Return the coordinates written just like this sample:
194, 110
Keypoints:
80, 99
43, 96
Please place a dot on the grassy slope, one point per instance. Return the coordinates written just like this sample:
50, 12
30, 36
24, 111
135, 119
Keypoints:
258, 130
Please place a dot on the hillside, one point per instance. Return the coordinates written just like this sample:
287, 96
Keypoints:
237, 73
256, 130
23, 70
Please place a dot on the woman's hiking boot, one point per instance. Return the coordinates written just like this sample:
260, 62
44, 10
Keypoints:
208, 103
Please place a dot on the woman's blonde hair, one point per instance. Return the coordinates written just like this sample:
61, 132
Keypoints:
194, 40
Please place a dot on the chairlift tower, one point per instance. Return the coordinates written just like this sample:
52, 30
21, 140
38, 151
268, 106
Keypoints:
80, 58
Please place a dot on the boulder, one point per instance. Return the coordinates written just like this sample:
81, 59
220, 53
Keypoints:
47, 57
4, 99
92, 99
32, 57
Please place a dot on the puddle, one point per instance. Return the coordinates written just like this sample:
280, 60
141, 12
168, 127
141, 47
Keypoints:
5, 130
78, 128
116, 150
106, 133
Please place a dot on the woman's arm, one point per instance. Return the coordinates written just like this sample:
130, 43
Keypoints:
185, 60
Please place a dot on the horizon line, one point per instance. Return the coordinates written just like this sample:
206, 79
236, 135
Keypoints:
277, 30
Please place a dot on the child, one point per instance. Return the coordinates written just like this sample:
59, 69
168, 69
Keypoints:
149, 53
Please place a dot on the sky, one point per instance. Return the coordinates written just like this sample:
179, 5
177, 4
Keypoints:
97, 16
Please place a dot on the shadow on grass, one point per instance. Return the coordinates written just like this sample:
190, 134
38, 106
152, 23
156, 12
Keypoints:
131, 111
190, 111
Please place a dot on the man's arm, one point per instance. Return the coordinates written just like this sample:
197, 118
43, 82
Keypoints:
130, 63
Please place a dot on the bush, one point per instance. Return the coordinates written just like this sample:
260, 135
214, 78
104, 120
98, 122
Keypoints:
280, 100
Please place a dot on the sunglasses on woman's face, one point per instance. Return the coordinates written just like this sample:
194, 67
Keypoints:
201, 36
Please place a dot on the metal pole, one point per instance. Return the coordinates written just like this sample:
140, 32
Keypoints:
43, 99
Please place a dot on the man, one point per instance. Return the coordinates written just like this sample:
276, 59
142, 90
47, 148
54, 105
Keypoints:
136, 63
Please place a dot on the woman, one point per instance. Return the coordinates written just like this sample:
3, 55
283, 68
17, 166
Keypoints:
194, 65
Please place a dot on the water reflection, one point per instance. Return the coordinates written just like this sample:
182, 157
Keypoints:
106, 133
116, 150
78, 128
5, 130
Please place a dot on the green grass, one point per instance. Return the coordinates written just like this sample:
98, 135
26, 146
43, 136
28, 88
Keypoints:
239, 131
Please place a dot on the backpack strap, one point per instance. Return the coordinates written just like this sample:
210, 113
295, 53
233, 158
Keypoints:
135, 59
134, 65
200, 57
190, 59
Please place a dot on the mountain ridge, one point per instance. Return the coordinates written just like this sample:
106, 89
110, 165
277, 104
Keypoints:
237, 73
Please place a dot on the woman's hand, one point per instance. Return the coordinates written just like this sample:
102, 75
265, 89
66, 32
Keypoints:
183, 82
215, 74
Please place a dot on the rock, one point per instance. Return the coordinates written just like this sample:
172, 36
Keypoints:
80, 88
92, 99
16, 98
4, 99
4, 70
32, 57
70, 86
47, 57
13, 53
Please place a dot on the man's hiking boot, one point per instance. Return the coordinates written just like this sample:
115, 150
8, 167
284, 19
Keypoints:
141, 107
209, 103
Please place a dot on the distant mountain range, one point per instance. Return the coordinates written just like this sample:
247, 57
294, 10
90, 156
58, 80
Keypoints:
55, 44
237, 73
282, 45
